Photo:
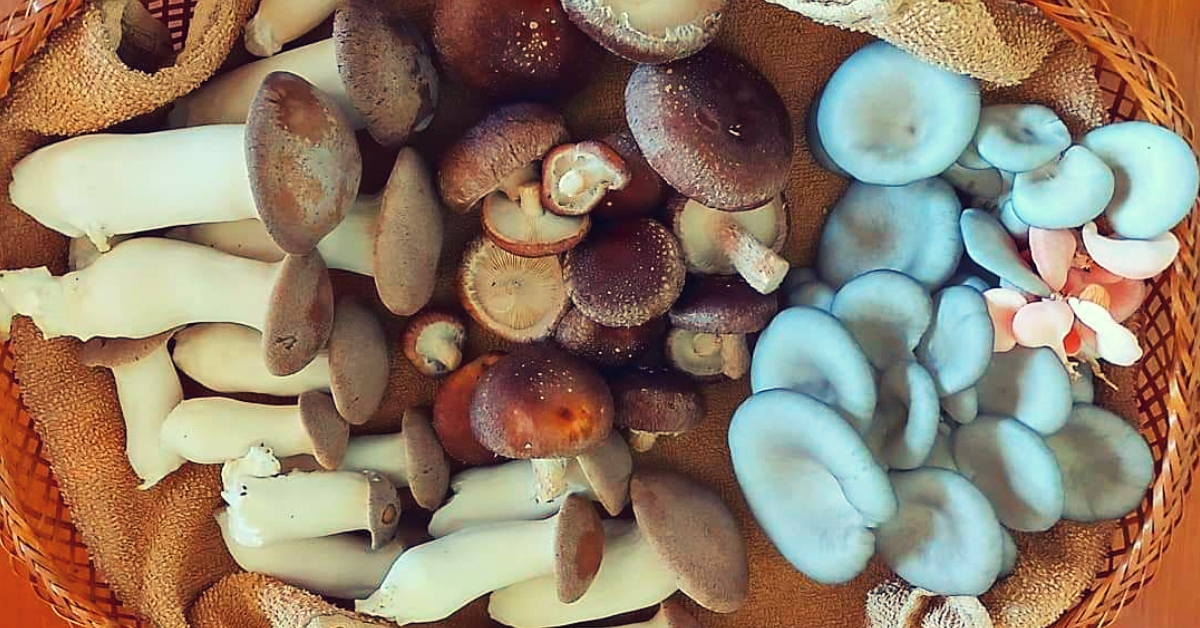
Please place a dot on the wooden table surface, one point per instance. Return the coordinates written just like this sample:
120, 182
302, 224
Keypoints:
1171, 27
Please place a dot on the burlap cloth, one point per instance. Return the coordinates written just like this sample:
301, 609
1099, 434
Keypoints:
161, 550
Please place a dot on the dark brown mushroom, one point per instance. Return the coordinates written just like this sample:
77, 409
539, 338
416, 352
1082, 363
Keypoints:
576, 177
723, 243
433, 342
607, 346
358, 361
722, 305
649, 32
452, 412
520, 299
300, 317
646, 190
525, 228
656, 402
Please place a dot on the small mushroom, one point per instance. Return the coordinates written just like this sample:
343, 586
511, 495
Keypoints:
1132, 259
452, 411
526, 228
1106, 464
626, 274
723, 243
148, 389
279, 22
433, 342
1030, 385
1012, 223
713, 127
432, 581
576, 177
411, 458
508, 49
991, 247
803, 288
812, 484
911, 229
962, 406
727, 308
649, 33
266, 508
543, 404
1012, 465
958, 346
1066, 193
499, 153
1020, 138
906, 416
213, 430
607, 346
1110, 340
653, 402
887, 312
507, 492
520, 299
645, 191
707, 356
1156, 177
933, 114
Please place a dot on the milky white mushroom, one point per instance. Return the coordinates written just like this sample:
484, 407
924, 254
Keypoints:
1020, 138
931, 116
433, 342
1030, 385
989, 245
1114, 342
227, 358
146, 286
803, 288
412, 457
811, 482
887, 312
267, 508
148, 388
969, 280
745, 242
278, 22
1015, 468
1106, 464
906, 416
911, 229
1066, 192
945, 536
1156, 175
1132, 259
957, 348
685, 539
962, 406
808, 351
111, 184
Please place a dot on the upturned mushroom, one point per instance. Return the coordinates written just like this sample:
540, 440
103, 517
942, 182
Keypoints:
644, 193
214, 430
887, 312
452, 411
718, 313
527, 228
607, 346
295, 138
626, 274
656, 33
432, 581
377, 68
279, 22
433, 342
723, 243
906, 416
653, 403
685, 539
1106, 464
1014, 468
576, 177
507, 492
410, 458
713, 127
958, 346
148, 389
266, 508
520, 299
1020, 138
290, 302
1068, 192
543, 404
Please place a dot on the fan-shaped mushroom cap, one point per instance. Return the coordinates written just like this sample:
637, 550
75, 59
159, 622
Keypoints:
911, 229
887, 312
1020, 138
1065, 193
962, 406
1015, 469
607, 346
1132, 259
941, 456
520, 299
808, 351
969, 280
811, 482
1106, 464
812, 135
1030, 385
970, 157
945, 536
991, 247
906, 416
658, 32
958, 346
626, 274
1156, 177
932, 116
803, 288
1012, 223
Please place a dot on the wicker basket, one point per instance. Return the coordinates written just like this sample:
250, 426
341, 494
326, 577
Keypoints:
35, 526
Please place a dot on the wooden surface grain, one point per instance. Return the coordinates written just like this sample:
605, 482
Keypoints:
1171, 27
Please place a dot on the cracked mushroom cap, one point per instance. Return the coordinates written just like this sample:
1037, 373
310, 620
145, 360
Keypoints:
722, 305
359, 363
540, 402
578, 547
713, 127
576, 177
644, 193
300, 315
657, 401
433, 342
699, 229
656, 32
627, 274
496, 154
452, 411
607, 346
329, 432
693, 531
520, 299
303, 161
428, 470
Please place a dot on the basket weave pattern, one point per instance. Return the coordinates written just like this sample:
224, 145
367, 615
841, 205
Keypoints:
35, 527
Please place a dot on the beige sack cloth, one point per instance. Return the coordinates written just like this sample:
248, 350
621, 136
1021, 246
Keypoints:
161, 549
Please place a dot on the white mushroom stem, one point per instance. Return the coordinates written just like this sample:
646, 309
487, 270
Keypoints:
104, 185
430, 582
505, 492
384, 454
735, 354
756, 262
226, 99
213, 430
148, 390
227, 358
550, 477
531, 200
631, 577
518, 183
278, 22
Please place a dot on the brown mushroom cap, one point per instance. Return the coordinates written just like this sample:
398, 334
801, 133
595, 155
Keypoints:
627, 274
510, 49
408, 236
433, 342
300, 317
383, 506
723, 305
302, 160
525, 228
673, 614
500, 147
607, 468
330, 434
578, 547
713, 127
607, 346
452, 412
117, 352
428, 470
519, 299
649, 32
387, 69
646, 189
540, 402
694, 533
657, 401
358, 361
576, 177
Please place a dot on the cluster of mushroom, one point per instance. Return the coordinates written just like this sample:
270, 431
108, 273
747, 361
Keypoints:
890, 413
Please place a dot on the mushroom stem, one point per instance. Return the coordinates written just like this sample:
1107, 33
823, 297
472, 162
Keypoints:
384, 454
642, 442
572, 182
227, 358
735, 355
756, 262
531, 200
278, 22
516, 184
550, 477
505, 492
706, 345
